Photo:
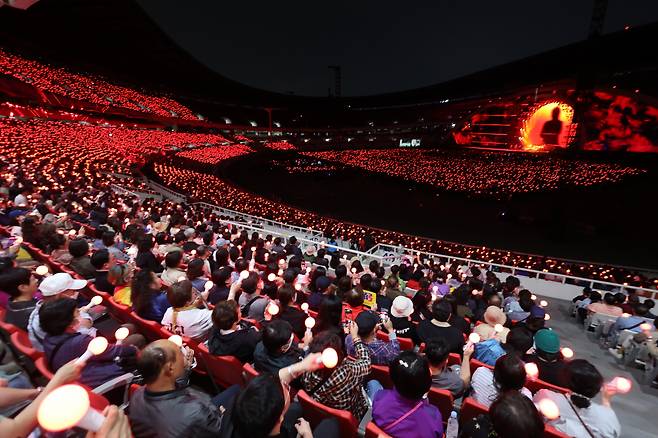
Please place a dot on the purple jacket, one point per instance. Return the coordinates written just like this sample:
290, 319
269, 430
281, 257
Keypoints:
99, 369
424, 422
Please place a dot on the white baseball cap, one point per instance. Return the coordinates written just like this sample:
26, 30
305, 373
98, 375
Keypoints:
58, 283
402, 307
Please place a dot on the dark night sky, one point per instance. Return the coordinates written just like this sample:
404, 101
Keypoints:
382, 46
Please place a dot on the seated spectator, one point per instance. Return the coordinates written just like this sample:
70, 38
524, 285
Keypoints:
392, 289
164, 409
508, 375
580, 416
381, 352
405, 411
55, 287
60, 253
340, 387
110, 243
520, 340
535, 321
101, 261
277, 348
81, 263
382, 302
438, 327
184, 317
581, 309
252, 302
190, 244
401, 310
173, 273
548, 358
148, 301
352, 305
632, 322
492, 316
622, 302
120, 277
21, 286
195, 273
287, 296
145, 258
454, 379
421, 301
607, 307
63, 344
329, 317
322, 288
227, 337
221, 279
583, 297
511, 415
264, 409
520, 310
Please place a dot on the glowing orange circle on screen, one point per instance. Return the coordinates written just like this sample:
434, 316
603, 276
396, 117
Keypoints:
532, 135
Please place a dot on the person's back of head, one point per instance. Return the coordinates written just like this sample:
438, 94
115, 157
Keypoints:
161, 356
365, 281
519, 340
424, 284
595, 296
119, 275
437, 352
340, 271
344, 285
277, 334
286, 295
259, 408
108, 238
584, 380
515, 415
226, 314
57, 315
354, 298
411, 375
250, 284
375, 285
195, 269
15, 279
441, 311
373, 266
173, 259
609, 299
221, 276
100, 258
241, 264
180, 293
509, 373
641, 310
78, 247
329, 312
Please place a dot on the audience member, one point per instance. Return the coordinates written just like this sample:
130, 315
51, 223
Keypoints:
454, 379
508, 375
148, 301
381, 352
228, 338
439, 327
184, 317
21, 286
277, 348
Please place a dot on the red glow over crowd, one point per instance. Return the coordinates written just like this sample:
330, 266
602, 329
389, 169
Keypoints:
88, 88
482, 173
279, 145
214, 155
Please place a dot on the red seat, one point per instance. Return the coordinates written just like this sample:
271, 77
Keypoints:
225, 370
382, 374
150, 329
475, 364
551, 432
373, 431
315, 412
442, 399
43, 368
9, 328
454, 359
471, 409
535, 385
405, 343
120, 311
21, 341
249, 372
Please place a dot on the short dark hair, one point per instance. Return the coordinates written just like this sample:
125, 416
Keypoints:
195, 268
259, 406
411, 376
108, 238
609, 298
99, 258
173, 259
509, 373
225, 314
354, 298
285, 294
519, 340
441, 310
584, 380
250, 284
55, 316
276, 334
436, 351
179, 293
151, 361
221, 275
13, 278
78, 247
327, 339
365, 281
514, 414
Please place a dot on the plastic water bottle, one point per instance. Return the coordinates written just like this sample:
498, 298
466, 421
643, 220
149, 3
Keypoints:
453, 426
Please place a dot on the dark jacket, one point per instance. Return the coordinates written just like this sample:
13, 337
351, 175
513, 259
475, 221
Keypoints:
99, 369
264, 362
146, 260
296, 318
82, 265
101, 282
156, 308
240, 343
180, 413
217, 294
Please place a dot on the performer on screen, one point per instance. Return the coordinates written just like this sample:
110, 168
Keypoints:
551, 130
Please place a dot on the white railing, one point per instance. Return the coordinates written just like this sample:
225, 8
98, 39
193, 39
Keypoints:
167, 192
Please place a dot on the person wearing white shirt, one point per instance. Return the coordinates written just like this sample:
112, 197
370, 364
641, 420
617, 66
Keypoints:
508, 375
580, 416
184, 317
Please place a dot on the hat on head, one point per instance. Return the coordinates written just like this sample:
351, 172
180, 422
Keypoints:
58, 283
537, 312
221, 242
189, 232
494, 315
402, 307
366, 321
310, 250
547, 340
322, 283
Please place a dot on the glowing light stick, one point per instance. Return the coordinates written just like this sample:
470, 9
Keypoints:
271, 277
533, 297
42, 270
435, 288
72, 233
96, 346
498, 328
620, 385
305, 307
549, 409
547, 317
625, 315
473, 338
280, 273
272, 308
353, 270
121, 334
309, 323
531, 370
19, 240
66, 407
645, 327
176, 339
95, 301
208, 285
244, 275
543, 303
329, 358
449, 276
298, 286
567, 352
